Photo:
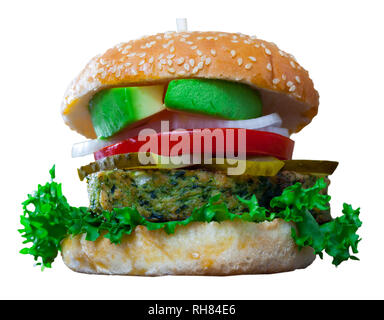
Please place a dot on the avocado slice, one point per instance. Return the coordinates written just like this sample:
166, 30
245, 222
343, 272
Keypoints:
217, 98
114, 109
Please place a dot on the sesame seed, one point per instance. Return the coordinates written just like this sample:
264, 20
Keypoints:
186, 66
297, 95
252, 58
281, 53
163, 61
292, 64
141, 62
240, 61
180, 61
209, 38
257, 45
128, 64
199, 52
213, 52
132, 54
293, 57
194, 47
172, 49
181, 73
171, 70
248, 66
298, 79
275, 81
189, 42
199, 38
233, 53
191, 62
292, 88
151, 59
170, 62
284, 77
263, 45
269, 67
247, 42
234, 41
160, 56
200, 65
289, 83
267, 51
142, 55
208, 61
170, 56
159, 66
195, 70
186, 35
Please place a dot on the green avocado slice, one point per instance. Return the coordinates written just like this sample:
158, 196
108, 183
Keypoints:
218, 98
114, 109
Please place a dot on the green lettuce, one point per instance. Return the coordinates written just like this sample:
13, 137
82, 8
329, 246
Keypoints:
48, 219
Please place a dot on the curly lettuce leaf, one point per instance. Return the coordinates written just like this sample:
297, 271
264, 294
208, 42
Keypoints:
337, 237
48, 219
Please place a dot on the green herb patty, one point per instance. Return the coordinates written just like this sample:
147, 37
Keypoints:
169, 195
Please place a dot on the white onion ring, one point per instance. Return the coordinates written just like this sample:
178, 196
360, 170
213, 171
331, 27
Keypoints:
186, 121
270, 123
281, 131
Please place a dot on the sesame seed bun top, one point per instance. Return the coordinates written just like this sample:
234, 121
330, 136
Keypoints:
284, 85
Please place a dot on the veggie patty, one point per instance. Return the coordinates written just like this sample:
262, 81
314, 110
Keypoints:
168, 195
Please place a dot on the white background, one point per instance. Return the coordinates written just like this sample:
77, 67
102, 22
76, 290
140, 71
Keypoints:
44, 44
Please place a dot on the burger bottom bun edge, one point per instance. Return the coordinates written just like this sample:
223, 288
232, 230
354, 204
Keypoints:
226, 248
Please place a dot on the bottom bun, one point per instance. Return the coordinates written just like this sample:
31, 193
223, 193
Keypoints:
226, 248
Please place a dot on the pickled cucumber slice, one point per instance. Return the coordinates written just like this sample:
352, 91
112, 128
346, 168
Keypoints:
257, 166
311, 166
218, 98
128, 161
263, 167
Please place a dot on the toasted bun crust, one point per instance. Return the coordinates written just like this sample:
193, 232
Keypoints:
226, 248
285, 86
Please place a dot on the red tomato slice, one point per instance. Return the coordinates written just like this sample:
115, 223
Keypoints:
257, 143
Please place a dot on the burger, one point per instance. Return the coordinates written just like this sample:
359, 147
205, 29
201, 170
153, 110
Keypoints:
193, 170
